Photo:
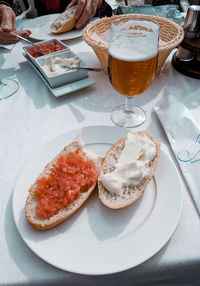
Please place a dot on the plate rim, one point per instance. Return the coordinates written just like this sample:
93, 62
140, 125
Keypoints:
178, 216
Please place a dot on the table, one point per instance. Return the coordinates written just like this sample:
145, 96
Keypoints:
33, 116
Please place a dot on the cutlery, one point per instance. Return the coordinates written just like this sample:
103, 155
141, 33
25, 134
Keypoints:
26, 40
84, 68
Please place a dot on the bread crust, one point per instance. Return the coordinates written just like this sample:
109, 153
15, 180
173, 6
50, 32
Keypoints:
69, 23
130, 194
63, 214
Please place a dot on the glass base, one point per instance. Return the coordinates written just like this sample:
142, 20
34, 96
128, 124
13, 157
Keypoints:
128, 119
8, 87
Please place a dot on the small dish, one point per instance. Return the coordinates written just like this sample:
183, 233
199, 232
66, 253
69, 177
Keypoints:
64, 89
65, 75
47, 47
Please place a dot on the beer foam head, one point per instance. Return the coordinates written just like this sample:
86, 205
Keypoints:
134, 40
126, 54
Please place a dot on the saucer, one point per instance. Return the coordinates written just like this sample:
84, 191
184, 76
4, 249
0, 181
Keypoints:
64, 89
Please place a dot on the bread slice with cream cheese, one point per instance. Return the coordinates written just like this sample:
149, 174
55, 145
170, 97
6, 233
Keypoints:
126, 194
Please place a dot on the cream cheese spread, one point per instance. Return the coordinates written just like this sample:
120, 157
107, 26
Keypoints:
131, 168
70, 62
55, 66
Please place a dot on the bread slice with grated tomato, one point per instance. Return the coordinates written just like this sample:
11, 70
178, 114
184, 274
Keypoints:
31, 202
129, 193
65, 22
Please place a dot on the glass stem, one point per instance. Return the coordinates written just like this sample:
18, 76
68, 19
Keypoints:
129, 105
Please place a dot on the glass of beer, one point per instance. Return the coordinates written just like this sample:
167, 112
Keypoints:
132, 62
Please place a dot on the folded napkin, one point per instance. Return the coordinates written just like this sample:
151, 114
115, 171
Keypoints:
183, 131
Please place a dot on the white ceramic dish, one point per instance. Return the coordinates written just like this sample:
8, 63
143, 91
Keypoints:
69, 75
64, 89
40, 28
27, 47
98, 240
61, 79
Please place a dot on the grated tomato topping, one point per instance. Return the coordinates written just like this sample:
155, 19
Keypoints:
46, 48
72, 175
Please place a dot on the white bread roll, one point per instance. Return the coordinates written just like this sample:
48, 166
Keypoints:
63, 214
65, 22
129, 194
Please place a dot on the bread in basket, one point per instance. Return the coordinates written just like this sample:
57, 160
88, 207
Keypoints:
171, 34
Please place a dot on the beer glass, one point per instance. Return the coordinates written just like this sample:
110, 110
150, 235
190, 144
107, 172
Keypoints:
132, 61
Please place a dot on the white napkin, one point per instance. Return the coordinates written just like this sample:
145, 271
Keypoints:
183, 131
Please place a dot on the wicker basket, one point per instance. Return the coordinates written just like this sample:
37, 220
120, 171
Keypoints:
171, 34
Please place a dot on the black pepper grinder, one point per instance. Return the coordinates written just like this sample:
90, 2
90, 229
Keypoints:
187, 58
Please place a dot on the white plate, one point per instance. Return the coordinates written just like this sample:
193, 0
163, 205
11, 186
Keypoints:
98, 240
64, 89
40, 28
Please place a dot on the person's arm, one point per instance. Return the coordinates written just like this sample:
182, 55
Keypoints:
7, 25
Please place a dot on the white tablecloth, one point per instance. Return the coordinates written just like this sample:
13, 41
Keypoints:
33, 116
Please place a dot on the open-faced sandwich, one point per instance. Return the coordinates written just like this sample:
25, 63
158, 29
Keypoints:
62, 188
128, 167
65, 22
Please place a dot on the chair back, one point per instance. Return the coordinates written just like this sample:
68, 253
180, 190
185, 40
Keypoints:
31, 12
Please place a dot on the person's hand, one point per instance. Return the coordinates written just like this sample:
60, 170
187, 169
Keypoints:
7, 25
85, 10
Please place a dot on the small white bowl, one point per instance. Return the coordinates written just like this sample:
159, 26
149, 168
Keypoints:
66, 77
28, 47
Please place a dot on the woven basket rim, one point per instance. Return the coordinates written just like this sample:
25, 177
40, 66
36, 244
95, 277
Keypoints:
103, 46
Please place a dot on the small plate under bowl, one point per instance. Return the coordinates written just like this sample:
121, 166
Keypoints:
64, 89
59, 79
